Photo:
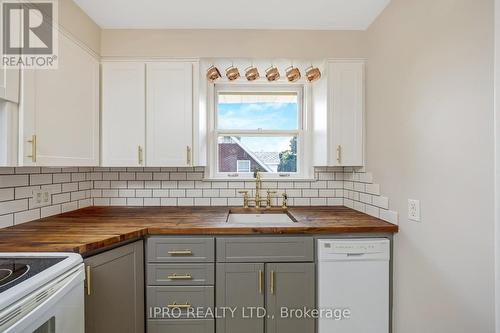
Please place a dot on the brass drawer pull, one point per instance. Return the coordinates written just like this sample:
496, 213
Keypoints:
179, 306
140, 153
87, 279
188, 155
272, 283
33, 149
339, 154
261, 273
180, 277
180, 253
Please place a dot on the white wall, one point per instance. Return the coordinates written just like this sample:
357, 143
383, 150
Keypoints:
233, 43
430, 137
497, 164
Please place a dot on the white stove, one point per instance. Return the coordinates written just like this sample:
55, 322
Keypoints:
41, 292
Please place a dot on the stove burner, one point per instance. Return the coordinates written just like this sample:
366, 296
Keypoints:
5, 273
11, 272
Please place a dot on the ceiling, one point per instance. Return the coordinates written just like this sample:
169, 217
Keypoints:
234, 14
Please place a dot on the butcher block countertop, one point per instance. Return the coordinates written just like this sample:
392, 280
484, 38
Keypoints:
88, 230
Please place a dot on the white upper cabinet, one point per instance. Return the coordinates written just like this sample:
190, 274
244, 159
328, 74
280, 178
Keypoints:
9, 78
61, 110
346, 113
169, 114
9, 84
123, 114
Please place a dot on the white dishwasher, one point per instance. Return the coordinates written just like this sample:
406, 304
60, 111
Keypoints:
353, 285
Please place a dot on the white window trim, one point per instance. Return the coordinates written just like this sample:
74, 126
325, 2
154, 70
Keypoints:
304, 167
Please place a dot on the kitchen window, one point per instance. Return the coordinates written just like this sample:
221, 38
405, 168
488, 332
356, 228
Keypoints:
258, 127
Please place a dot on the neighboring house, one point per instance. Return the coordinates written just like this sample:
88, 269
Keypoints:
235, 157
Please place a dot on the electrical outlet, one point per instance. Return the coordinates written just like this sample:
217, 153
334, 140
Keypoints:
41, 198
414, 210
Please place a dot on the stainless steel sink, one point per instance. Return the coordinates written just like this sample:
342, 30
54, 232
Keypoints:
270, 218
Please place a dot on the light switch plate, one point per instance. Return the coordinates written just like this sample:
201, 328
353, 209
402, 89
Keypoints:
414, 210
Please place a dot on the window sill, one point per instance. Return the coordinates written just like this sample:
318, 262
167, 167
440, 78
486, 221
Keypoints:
245, 179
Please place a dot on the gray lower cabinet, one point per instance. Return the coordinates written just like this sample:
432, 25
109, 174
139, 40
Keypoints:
290, 286
114, 295
240, 286
181, 326
271, 286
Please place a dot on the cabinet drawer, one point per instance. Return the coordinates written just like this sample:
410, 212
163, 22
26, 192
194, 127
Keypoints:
180, 274
166, 249
265, 249
179, 299
181, 326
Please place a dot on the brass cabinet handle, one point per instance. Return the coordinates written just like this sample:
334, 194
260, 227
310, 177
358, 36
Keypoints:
33, 148
179, 306
261, 278
188, 155
180, 252
339, 154
140, 155
180, 277
87, 279
272, 283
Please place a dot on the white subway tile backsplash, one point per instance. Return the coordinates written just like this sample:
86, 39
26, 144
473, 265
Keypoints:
135, 202
78, 177
61, 178
60, 198
168, 201
144, 193
69, 187
26, 216
73, 188
151, 201
185, 201
14, 206
202, 201
116, 202
6, 194
136, 184
6, 220
126, 193
127, 176
101, 201
40, 179
14, 181
69, 206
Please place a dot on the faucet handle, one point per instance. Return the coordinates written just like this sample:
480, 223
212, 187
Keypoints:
284, 204
245, 198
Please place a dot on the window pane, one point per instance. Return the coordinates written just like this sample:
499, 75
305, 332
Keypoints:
268, 154
257, 110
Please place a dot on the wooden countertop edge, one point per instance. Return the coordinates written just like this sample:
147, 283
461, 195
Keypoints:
306, 226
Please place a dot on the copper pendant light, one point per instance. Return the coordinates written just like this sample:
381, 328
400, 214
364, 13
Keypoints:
232, 73
313, 74
213, 73
292, 74
272, 74
252, 73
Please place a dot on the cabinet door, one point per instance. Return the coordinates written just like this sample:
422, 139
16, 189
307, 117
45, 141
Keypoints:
346, 86
9, 84
169, 114
114, 303
241, 286
290, 286
9, 77
61, 107
123, 114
